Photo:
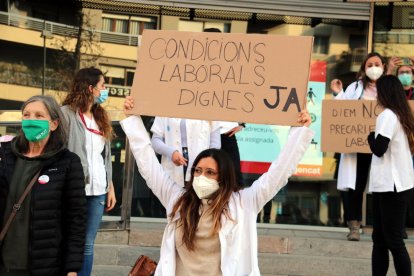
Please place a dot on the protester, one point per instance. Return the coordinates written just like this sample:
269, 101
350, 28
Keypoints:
354, 167
405, 75
47, 234
391, 177
90, 134
211, 226
404, 69
179, 141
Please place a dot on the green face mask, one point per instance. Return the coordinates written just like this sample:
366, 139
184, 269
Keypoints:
406, 79
35, 130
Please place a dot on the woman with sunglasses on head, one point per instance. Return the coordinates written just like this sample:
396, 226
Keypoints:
90, 134
391, 177
211, 226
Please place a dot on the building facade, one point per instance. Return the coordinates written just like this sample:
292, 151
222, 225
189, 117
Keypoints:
43, 36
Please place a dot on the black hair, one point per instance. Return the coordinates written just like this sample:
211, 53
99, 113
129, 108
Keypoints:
390, 94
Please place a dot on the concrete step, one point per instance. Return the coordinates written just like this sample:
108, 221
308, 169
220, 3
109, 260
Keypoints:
118, 260
283, 250
110, 270
287, 264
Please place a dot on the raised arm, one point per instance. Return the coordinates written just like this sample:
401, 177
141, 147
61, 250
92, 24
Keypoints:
215, 139
160, 147
151, 170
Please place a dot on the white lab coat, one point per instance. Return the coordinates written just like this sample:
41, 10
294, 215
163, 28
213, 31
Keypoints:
238, 238
348, 162
198, 139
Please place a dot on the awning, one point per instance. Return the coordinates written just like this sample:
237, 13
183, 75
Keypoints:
240, 9
335, 9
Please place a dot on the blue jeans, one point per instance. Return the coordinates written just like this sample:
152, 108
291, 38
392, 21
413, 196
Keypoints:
95, 205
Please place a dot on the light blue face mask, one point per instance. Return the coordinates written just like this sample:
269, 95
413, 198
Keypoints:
102, 96
406, 79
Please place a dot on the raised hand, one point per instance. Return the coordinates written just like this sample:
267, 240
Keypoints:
336, 86
304, 118
393, 63
128, 103
178, 159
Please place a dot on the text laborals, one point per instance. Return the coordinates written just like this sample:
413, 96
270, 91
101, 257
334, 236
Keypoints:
225, 73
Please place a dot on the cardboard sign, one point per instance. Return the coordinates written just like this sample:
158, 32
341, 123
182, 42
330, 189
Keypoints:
214, 76
347, 123
267, 140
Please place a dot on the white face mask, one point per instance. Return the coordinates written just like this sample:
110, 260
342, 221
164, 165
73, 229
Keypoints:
204, 187
374, 72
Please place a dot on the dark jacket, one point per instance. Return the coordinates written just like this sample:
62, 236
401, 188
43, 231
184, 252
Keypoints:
57, 214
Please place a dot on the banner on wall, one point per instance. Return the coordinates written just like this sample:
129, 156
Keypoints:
260, 144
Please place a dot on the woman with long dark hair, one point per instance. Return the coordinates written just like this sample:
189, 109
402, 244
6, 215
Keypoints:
391, 177
354, 167
90, 134
211, 226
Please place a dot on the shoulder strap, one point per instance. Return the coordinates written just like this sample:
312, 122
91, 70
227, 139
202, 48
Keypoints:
16, 206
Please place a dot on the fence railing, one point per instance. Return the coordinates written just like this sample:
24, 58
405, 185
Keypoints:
11, 74
14, 74
394, 37
36, 24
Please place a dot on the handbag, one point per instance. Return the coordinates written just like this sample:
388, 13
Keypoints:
16, 207
144, 266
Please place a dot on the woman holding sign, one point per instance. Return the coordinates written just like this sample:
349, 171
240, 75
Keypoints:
392, 177
211, 226
354, 167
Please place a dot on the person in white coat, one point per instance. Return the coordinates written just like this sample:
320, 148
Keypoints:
211, 227
392, 177
179, 141
354, 167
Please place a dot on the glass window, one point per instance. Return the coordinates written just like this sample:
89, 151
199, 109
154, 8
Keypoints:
127, 24
199, 26
320, 44
130, 77
114, 75
107, 24
118, 79
139, 24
